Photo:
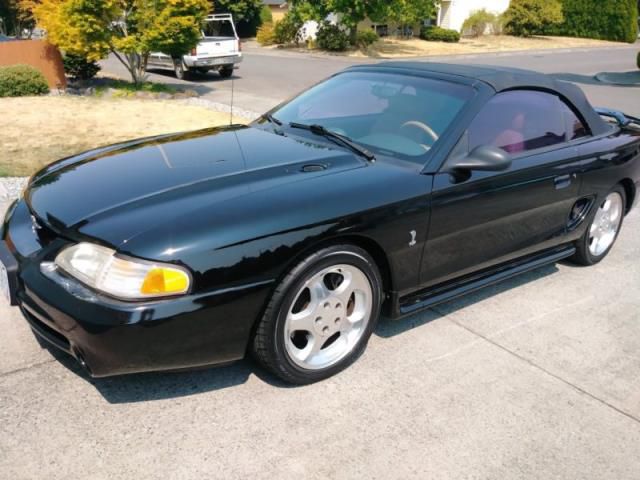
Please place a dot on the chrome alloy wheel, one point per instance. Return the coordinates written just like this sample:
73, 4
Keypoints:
328, 316
605, 225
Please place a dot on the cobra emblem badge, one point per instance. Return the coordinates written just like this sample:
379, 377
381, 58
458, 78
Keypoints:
413, 238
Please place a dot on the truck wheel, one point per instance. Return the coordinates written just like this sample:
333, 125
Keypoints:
179, 69
226, 72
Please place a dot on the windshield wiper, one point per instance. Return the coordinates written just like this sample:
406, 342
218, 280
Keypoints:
272, 119
345, 141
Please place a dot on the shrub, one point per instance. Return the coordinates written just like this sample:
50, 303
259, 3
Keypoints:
286, 30
438, 34
265, 15
78, 67
476, 24
266, 34
366, 38
524, 18
21, 80
611, 20
332, 37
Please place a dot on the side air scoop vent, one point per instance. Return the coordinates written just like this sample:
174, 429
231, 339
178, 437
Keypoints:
314, 167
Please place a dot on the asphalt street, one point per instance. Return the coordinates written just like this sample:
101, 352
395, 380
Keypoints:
534, 378
268, 77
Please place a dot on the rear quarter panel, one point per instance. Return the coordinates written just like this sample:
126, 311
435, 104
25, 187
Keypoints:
610, 160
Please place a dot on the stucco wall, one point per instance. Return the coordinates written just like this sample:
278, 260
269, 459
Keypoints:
37, 53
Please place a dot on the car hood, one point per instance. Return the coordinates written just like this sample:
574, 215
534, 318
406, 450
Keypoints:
131, 187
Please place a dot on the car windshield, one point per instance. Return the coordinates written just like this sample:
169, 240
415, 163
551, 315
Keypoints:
397, 115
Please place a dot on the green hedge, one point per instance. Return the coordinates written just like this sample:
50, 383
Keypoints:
603, 19
438, 34
22, 80
332, 37
366, 38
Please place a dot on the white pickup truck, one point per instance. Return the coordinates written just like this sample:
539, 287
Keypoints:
219, 50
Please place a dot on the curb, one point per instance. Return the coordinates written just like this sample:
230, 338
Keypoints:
221, 107
622, 79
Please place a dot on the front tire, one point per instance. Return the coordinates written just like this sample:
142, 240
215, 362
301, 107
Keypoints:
321, 316
603, 230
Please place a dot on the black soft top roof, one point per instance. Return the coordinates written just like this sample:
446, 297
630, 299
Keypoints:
506, 78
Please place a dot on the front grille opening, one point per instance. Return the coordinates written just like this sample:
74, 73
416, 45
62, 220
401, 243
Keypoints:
47, 332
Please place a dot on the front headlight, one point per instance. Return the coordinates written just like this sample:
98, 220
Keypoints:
100, 268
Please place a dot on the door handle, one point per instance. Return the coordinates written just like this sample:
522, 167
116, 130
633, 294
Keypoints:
563, 181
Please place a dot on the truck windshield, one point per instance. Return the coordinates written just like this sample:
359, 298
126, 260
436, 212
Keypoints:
218, 28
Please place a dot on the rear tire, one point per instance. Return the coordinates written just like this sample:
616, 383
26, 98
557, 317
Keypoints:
226, 72
320, 316
179, 69
602, 232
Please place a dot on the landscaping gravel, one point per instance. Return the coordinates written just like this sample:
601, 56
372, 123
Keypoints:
221, 107
11, 187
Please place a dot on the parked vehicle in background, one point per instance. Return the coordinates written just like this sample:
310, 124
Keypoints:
218, 50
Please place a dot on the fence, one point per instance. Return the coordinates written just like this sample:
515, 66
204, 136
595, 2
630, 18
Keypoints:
37, 53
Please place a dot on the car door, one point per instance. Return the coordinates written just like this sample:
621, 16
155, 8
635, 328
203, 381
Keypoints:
492, 217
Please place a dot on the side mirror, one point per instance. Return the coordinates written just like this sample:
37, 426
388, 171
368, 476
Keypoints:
485, 158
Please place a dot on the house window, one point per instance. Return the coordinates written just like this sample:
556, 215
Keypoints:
381, 29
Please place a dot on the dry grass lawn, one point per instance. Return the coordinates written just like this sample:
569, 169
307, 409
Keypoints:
35, 131
397, 48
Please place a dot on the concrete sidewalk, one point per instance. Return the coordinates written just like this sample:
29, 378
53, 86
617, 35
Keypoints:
536, 378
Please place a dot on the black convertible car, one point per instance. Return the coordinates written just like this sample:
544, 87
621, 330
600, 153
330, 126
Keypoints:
398, 185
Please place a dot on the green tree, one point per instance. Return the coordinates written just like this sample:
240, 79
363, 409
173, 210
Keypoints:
410, 12
352, 12
8, 16
130, 29
524, 18
16, 16
246, 14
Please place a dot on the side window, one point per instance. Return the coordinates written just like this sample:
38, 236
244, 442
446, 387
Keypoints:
523, 120
574, 126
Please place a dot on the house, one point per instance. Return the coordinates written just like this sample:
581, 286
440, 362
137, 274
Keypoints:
279, 8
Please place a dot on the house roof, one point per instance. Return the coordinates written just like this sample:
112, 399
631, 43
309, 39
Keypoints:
276, 3
507, 78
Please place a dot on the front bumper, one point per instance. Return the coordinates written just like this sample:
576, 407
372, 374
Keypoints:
110, 337
212, 62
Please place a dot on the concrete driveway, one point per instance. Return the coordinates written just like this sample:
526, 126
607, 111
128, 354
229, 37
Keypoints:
535, 378
538, 377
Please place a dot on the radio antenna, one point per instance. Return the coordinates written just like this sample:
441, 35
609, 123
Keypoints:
231, 106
